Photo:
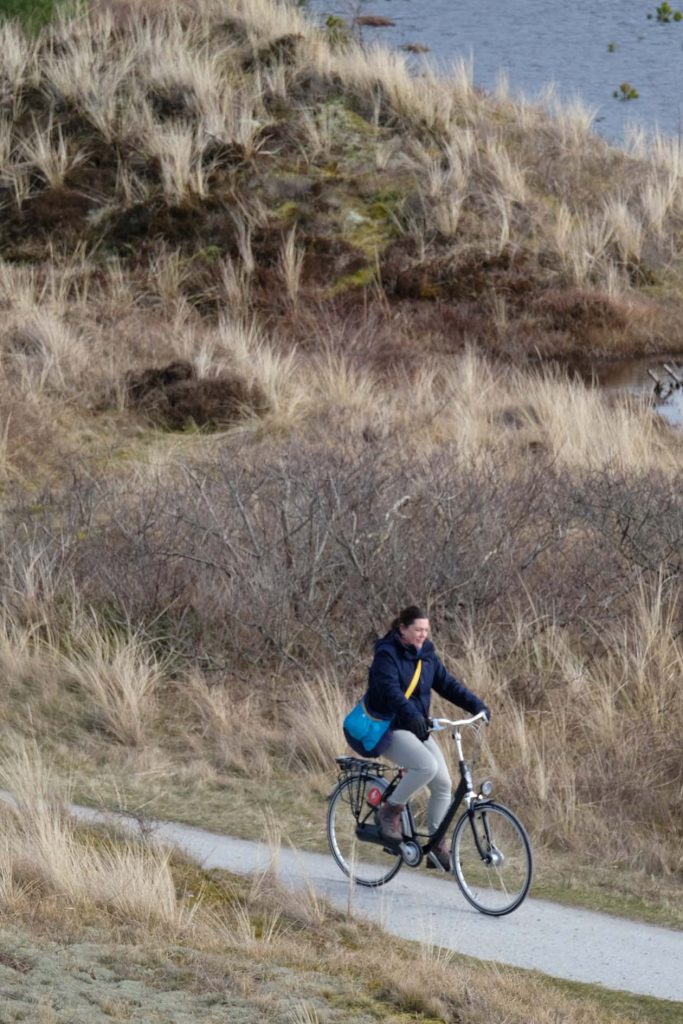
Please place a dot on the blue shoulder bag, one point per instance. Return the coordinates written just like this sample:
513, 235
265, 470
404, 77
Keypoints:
368, 734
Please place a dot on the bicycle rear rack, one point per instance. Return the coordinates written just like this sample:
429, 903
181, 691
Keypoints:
359, 766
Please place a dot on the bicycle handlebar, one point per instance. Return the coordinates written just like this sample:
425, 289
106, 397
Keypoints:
439, 724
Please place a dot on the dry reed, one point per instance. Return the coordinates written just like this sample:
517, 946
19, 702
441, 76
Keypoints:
118, 676
43, 848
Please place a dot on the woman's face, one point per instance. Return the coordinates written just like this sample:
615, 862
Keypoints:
416, 633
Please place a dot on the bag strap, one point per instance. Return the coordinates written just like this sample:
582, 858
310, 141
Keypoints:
414, 681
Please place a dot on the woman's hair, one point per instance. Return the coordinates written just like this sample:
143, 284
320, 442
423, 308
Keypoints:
407, 617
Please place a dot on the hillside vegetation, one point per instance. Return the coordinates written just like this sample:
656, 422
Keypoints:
286, 340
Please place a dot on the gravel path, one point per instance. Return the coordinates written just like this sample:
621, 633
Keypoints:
566, 942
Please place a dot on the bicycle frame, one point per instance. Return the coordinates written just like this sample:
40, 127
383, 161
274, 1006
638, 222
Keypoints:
465, 788
464, 793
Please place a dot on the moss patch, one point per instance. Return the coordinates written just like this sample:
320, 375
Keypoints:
359, 279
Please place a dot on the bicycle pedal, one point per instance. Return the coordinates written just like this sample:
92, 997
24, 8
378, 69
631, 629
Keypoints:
433, 863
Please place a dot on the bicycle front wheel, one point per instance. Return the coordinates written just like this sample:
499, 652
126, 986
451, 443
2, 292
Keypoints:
491, 858
349, 818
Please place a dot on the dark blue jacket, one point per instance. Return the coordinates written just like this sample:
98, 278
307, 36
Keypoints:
392, 669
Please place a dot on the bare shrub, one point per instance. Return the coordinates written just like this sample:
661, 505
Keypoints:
289, 550
639, 519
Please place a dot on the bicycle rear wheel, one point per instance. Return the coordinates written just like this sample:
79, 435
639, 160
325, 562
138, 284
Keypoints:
492, 860
349, 817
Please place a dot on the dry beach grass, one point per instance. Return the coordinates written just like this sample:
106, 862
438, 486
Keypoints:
286, 341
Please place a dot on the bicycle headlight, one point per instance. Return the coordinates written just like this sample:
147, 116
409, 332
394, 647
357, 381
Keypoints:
486, 788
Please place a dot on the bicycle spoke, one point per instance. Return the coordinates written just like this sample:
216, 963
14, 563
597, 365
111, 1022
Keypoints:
492, 859
366, 863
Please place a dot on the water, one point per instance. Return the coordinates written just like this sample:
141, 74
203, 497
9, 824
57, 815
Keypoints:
631, 375
536, 43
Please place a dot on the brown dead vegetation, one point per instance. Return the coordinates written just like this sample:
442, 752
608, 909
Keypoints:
172, 396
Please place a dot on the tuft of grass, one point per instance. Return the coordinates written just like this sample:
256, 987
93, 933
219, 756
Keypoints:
49, 153
118, 676
314, 722
4, 454
17, 53
291, 265
509, 176
179, 151
229, 729
47, 354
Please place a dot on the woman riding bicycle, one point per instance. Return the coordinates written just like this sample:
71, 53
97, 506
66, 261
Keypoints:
394, 668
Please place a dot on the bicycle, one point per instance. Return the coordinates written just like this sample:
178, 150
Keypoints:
490, 851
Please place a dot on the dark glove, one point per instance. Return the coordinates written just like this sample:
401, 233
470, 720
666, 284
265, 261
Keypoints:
419, 726
487, 711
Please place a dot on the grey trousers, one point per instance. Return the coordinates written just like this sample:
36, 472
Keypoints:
425, 765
